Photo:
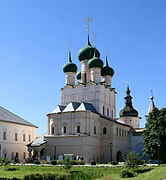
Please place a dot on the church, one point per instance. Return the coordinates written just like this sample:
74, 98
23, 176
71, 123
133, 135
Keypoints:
85, 124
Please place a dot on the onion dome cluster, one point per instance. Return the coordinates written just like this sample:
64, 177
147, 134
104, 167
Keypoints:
70, 66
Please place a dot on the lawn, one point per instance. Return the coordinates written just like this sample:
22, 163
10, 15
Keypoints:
151, 173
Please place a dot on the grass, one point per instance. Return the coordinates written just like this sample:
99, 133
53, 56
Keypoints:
103, 173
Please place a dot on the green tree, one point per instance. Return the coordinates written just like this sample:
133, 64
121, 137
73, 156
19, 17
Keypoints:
132, 160
154, 135
67, 163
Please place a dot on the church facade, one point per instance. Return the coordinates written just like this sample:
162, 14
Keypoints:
84, 124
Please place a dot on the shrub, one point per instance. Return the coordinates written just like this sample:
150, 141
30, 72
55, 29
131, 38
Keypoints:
11, 169
44, 162
132, 160
114, 163
126, 174
36, 162
14, 178
140, 162
93, 162
81, 162
45, 176
67, 163
77, 162
59, 162
53, 162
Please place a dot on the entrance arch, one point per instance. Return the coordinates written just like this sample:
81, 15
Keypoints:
119, 156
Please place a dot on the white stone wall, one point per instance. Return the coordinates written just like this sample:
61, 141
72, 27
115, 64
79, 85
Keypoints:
95, 75
97, 95
129, 120
70, 78
10, 145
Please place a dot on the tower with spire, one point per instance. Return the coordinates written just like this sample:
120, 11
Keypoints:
151, 105
128, 115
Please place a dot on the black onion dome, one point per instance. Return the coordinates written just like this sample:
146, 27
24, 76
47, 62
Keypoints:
128, 110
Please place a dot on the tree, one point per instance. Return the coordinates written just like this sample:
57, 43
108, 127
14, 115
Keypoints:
132, 160
154, 135
67, 163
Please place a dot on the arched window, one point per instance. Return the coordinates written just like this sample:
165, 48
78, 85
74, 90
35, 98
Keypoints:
64, 129
103, 110
78, 129
104, 130
16, 137
107, 111
52, 130
4, 135
94, 129
85, 77
23, 137
29, 138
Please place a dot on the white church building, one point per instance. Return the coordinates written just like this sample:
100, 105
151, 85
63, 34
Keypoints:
15, 134
85, 123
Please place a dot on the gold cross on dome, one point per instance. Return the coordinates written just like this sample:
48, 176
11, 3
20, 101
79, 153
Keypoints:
95, 38
70, 45
87, 20
106, 45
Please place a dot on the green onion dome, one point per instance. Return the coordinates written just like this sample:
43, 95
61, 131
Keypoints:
106, 70
95, 62
87, 52
78, 75
70, 67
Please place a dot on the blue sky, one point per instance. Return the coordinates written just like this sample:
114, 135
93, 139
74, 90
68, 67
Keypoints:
34, 37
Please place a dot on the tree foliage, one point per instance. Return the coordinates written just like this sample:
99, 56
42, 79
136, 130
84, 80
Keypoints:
155, 135
132, 160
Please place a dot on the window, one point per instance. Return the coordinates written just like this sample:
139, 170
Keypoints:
23, 137
78, 129
52, 130
94, 129
117, 131
122, 132
103, 110
16, 137
107, 111
104, 130
64, 129
4, 135
85, 77
29, 138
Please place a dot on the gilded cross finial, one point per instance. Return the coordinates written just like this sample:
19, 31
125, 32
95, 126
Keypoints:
151, 94
69, 45
106, 45
87, 20
95, 39
69, 51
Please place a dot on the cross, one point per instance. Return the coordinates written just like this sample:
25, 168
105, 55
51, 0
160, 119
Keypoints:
106, 45
87, 20
95, 38
151, 92
69, 45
